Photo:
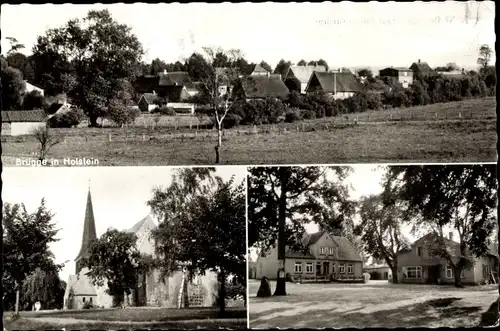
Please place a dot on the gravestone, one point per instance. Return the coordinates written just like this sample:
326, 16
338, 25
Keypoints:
264, 288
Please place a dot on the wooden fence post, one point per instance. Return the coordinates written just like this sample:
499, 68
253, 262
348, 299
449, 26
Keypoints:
109, 137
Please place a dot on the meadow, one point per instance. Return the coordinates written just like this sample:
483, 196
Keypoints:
463, 131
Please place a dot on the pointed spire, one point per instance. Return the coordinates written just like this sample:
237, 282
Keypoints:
89, 232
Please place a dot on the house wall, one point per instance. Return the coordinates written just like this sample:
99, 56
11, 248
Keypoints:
187, 108
267, 266
6, 129
341, 95
78, 303
334, 267
23, 128
406, 81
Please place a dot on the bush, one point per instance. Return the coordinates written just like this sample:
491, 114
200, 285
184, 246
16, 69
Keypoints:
231, 120
268, 111
307, 114
66, 120
120, 114
293, 115
165, 111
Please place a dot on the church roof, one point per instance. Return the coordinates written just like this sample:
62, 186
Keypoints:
148, 220
89, 232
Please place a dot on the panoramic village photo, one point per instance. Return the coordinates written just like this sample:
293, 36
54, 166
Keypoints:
317, 83
124, 248
373, 246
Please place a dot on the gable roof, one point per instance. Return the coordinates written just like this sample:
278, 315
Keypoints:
346, 250
149, 97
259, 69
422, 67
176, 78
263, 87
15, 116
397, 69
148, 220
344, 82
303, 73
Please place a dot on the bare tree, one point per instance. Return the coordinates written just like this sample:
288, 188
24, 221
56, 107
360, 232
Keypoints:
217, 86
45, 140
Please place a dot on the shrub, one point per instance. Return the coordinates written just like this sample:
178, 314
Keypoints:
293, 115
231, 120
268, 111
66, 120
120, 114
165, 111
307, 114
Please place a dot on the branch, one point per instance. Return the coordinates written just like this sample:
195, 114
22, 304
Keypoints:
308, 186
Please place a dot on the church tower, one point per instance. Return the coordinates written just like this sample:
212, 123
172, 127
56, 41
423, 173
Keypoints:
89, 234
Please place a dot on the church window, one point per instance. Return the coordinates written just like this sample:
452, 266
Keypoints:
83, 299
90, 300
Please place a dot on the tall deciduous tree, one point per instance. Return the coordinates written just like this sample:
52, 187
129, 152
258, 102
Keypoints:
484, 55
202, 224
14, 45
13, 88
157, 66
282, 67
212, 80
380, 230
114, 259
463, 197
100, 51
322, 62
297, 195
302, 63
45, 287
266, 66
26, 240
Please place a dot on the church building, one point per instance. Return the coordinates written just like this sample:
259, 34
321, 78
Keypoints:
151, 290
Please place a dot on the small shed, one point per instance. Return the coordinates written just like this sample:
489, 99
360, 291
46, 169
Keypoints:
22, 122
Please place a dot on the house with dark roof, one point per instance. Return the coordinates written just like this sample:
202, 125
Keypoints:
297, 77
337, 85
147, 102
22, 122
422, 68
262, 87
324, 255
418, 264
402, 75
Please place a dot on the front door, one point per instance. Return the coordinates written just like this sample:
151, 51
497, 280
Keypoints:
318, 269
434, 271
326, 268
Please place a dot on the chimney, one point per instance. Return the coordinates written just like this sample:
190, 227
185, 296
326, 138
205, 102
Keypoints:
450, 235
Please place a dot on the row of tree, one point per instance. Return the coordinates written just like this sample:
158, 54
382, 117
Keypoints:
202, 227
282, 200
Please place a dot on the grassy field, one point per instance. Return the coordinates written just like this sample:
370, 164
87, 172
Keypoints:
454, 132
374, 304
130, 318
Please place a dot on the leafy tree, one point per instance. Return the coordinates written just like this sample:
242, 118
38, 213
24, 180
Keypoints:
221, 60
312, 63
211, 81
100, 52
282, 67
33, 100
281, 200
14, 45
45, 287
157, 66
302, 63
380, 230
115, 260
118, 108
484, 55
20, 258
461, 196
198, 67
367, 73
13, 88
266, 66
202, 224
4, 62
322, 62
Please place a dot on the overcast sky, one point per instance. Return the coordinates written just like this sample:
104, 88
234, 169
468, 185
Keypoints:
344, 34
119, 196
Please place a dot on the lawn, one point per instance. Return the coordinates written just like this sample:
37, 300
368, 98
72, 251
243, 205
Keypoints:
454, 132
374, 304
130, 318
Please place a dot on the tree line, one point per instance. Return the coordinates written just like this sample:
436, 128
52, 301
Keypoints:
202, 228
282, 200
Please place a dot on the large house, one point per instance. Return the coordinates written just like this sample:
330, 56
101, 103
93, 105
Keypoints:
151, 291
262, 87
422, 68
417, 265
297, 77
402, 75
338, 85
324, 256
22, 122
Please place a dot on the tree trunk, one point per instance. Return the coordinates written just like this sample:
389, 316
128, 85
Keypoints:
219, 143
457, 275
186, 294
222, 293
93, 121
17, 301
281, 275
394, 270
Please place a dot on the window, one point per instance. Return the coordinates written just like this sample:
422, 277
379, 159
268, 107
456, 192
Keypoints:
323, 250
449, 272
298, 267
309, 268
90, 300
413, 272
342, 268
350, 269
331, 250
419, 251
405, 73
83, 299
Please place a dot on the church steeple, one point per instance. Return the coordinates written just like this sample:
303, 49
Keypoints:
89, 233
